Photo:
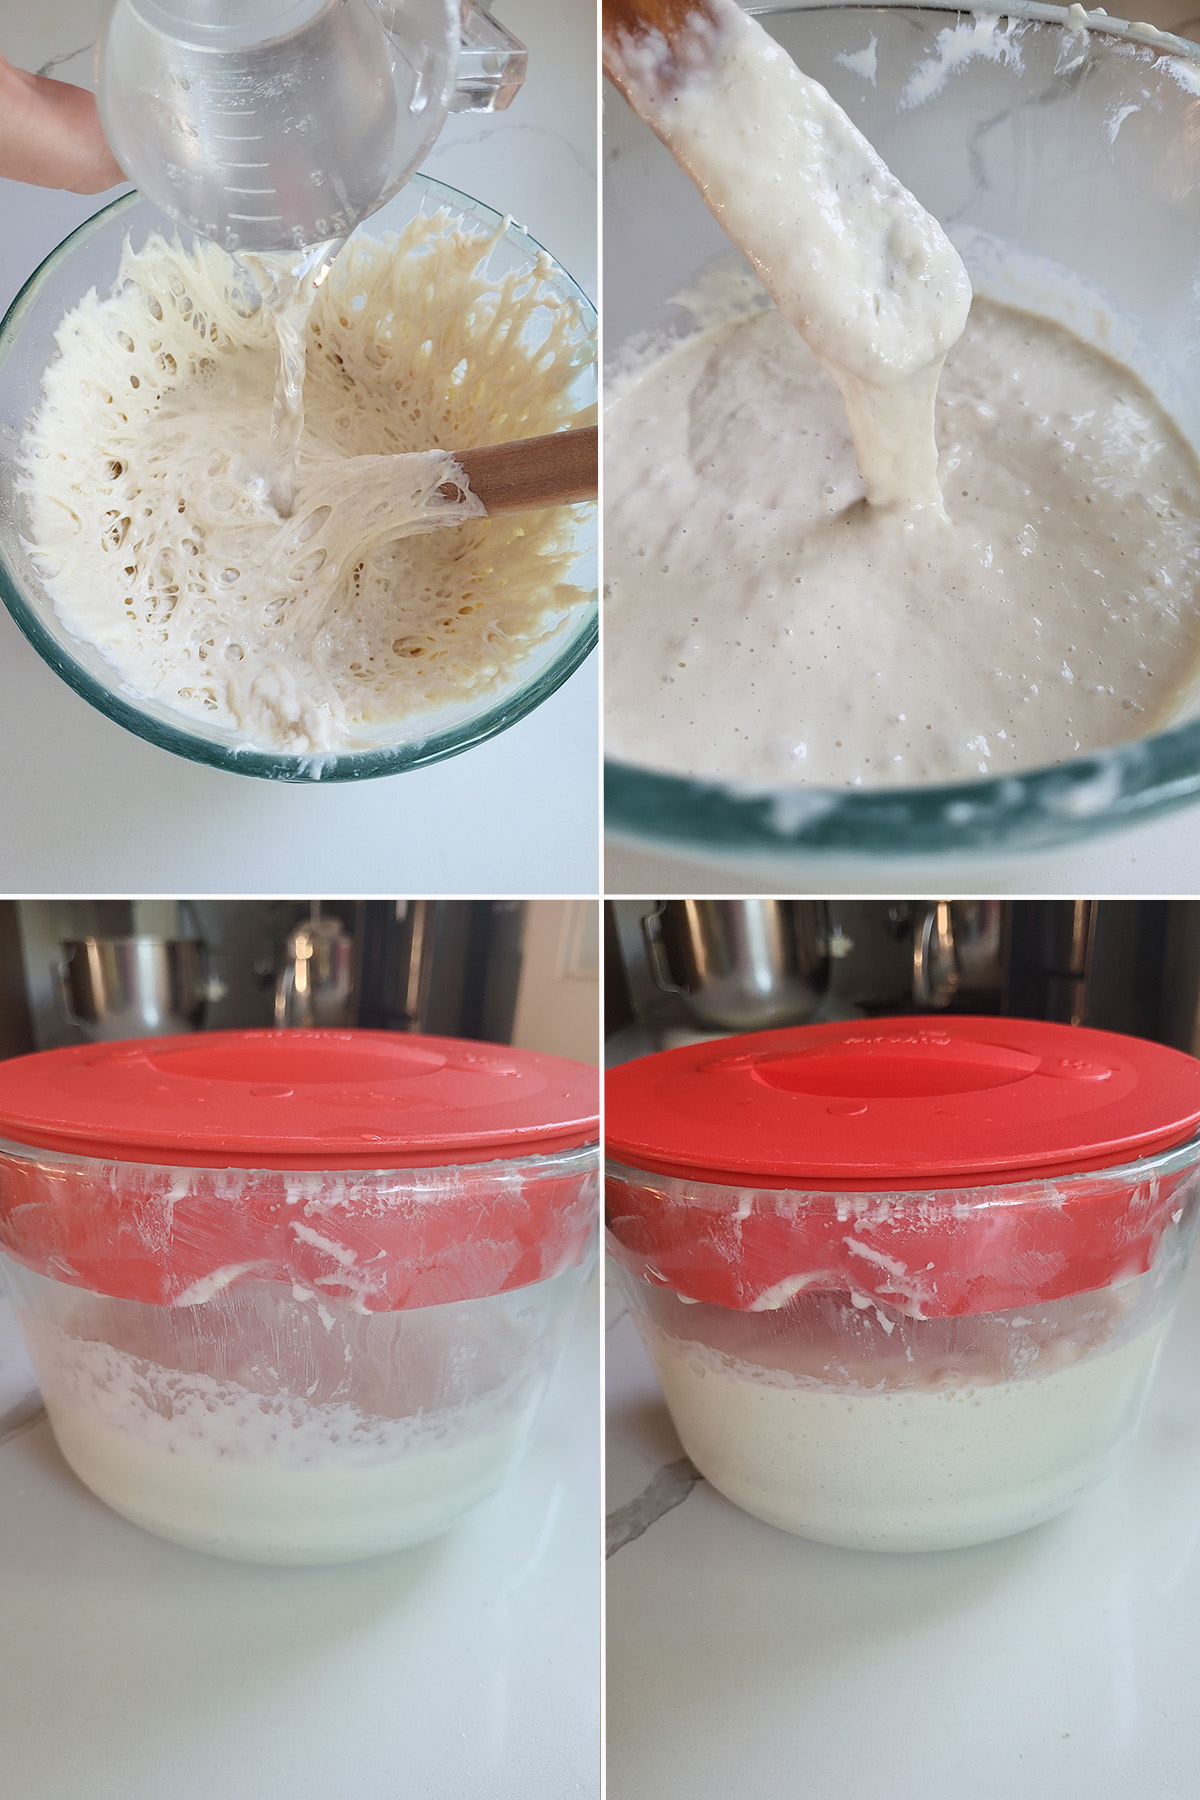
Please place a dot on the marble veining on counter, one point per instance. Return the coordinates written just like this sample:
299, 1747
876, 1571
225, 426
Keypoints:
668, 1489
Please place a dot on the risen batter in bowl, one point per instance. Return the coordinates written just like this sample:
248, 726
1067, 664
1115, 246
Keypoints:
764, 622
786, 603
148, 483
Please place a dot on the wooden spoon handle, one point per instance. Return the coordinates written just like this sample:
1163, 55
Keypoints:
554, 470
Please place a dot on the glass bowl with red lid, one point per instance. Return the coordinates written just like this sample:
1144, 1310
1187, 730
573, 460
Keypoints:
295, 1296
904, 1282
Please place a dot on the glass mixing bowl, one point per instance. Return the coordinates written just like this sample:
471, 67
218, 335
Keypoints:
841, 1417
303, 1303
1074, 148
90, 258
904, 1283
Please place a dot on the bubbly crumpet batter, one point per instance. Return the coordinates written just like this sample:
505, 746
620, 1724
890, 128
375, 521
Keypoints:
764, 622
790, 602
149, 482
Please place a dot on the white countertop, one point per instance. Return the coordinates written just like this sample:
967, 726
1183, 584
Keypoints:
1063, 1664
1161, 857
87, 807
464, 1669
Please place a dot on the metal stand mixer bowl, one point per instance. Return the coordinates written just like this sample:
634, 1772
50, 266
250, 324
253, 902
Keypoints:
134, 986
1067, 149
739, 965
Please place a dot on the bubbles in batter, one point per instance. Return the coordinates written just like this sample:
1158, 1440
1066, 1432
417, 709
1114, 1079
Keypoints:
765, 623
150, 481
1009, 581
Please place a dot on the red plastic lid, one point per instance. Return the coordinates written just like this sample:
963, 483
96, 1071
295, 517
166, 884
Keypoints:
331, 1161
927, 1163
319, 1099
894, 1104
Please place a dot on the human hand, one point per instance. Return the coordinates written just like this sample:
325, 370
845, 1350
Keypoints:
50, 134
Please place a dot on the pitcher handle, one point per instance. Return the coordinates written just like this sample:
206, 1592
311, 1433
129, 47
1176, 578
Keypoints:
491, 63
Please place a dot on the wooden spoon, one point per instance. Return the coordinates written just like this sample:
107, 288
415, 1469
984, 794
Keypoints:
356, 503
556, 470
679, 24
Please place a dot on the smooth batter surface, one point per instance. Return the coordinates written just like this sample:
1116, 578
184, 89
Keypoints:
764, 623
905, 1468
151, 486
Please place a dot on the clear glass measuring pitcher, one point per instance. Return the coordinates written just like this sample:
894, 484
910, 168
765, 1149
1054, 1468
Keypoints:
279, 124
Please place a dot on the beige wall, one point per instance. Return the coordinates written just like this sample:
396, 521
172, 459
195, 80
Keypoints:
558, 1002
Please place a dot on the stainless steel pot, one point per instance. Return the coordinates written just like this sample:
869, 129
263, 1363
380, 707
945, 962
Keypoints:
133, 986
740, 965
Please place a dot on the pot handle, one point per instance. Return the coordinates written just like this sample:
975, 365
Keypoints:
935, 957
656, 951
209, 986
62, 996
284, 988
